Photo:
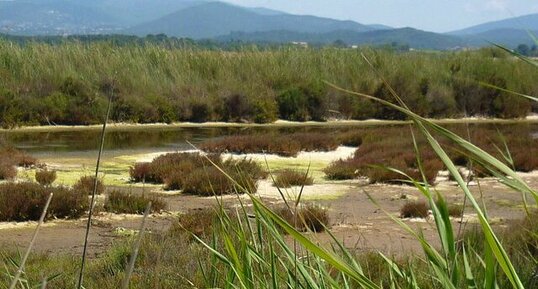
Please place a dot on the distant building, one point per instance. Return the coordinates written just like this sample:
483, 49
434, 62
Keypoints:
300, 43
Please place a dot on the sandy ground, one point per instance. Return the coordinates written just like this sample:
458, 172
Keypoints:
354, 218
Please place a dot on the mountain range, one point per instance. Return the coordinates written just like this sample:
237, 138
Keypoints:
219, 21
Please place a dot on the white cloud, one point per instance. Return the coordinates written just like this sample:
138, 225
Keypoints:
497, 5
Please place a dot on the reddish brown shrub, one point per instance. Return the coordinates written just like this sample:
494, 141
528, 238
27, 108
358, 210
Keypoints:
414, 209
86, 184
7, 171
45, 177
341, 170
350, 138
17, 157
280, 144
307, 217
206, 182
141, 172
525, 161
25, 201
124, 203
199, 222
288, 178
195, 174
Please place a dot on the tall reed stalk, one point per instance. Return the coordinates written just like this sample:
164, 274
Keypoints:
94, 192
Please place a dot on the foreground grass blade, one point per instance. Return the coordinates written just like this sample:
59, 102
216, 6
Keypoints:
518, 55
464, 144
327, 256
509, 91
92, 201
422, 124
31, 245
136, 248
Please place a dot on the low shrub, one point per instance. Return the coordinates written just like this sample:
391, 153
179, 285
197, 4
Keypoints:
341, 170
351, 138
10, 159
287, 145
25, 202
245, 166
161, 167
124, 203
414, 209
7, 171
45, 177
207, 181
455, 210
263, 143
199, 222
86, 183
308, 217
525, 161
16, 157
141, 172
194, 174
288, 178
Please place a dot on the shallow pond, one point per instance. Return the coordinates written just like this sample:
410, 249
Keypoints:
74, 152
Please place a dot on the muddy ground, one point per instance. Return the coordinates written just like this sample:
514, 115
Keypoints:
355, 220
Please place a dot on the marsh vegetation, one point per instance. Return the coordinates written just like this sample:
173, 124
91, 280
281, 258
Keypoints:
242, 240
64, 83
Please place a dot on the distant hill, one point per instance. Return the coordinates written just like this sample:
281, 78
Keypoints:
265, 11
505, 36
527, 22
214, 19
412, 37
222, 22
133, 12
57, 17
53, 17
380, 26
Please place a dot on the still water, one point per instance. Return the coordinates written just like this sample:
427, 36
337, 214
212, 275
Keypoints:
84, 143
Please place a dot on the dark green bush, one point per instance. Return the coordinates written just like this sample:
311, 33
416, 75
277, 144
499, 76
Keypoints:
200, 112
292, 105
12, 109
124, 203
264, 111
237, 107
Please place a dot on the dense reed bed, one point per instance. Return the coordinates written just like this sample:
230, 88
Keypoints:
65, 83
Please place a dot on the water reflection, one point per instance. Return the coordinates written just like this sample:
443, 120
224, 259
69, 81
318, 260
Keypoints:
167, 139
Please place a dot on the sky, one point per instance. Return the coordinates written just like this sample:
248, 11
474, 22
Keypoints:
431, 15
